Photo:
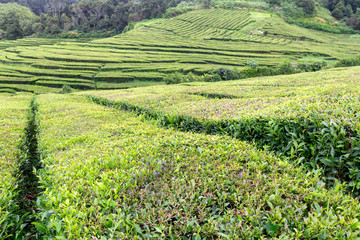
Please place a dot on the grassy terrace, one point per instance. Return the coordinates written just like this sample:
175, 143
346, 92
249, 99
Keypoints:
13, 112
280, 96
311, 118
110, 174
220, 38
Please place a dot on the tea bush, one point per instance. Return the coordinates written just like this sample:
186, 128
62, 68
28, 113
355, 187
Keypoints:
13, 111
312, 119
116, 176
349, 62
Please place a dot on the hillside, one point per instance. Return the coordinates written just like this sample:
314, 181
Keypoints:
286, 114
157, 162
269, 157
198, 41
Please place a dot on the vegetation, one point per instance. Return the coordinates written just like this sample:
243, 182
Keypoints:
184, 131
125, 170
12, 123
346, 10
297, 117
15, 21
180, 45
252, 70
68, 19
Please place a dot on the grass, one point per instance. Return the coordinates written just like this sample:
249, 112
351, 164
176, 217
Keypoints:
116, 176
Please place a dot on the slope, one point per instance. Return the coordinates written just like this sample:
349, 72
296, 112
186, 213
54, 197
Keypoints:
311, 118
198, 41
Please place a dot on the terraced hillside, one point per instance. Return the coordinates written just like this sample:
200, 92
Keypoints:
198, 41
311, 118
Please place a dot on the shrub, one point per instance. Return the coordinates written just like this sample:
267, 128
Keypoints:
227, 74
66, 89
349, 62
322, 27
244, 4
191, 77
285, 68
174, 78
181, 8
252, 64
252, 70
311, 67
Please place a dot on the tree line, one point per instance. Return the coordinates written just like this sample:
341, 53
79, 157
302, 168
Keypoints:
345, 10
101, 18
56, 16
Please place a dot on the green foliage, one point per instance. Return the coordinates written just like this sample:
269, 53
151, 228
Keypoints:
66, 89
242, 4
12, 120
15, 21
312, 141
118, 176
182, 7
344, 10
27, 180
307, 5
252, 70
174, 78
182, 44
93, 18
252, 63
349, 62
306, 67
322, 27
129, 27
312, 119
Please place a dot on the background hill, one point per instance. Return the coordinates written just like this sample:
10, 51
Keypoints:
199, 42
84, 18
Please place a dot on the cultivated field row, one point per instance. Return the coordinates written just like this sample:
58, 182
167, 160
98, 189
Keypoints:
220, 38
310, 118
110, 174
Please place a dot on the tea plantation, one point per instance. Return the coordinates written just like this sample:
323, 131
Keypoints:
273, 157
113, 175
311, 118
197, 42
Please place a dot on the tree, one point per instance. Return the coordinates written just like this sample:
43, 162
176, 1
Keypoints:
16, 21
65, 22
348, 11
12, 29
331, 4
206, 3
273, 2
339, 11
307, 5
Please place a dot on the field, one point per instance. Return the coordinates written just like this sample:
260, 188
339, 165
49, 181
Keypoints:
199, 42
116, 175
146, 173
311, 118
13, 111
132, 158
279, 96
